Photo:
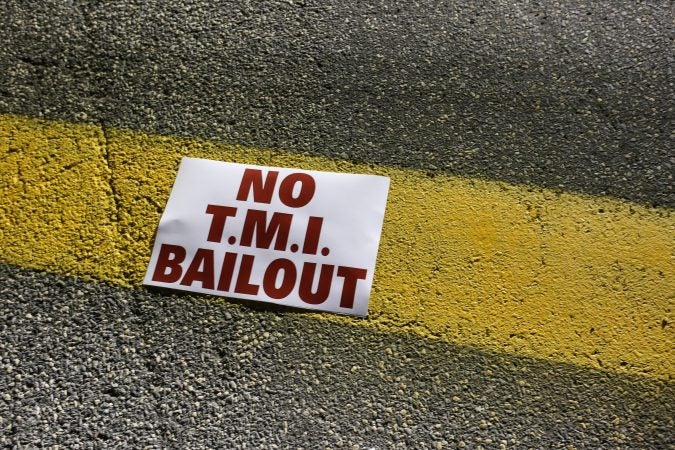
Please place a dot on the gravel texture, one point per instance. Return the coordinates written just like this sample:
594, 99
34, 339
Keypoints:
565, 94
89, 365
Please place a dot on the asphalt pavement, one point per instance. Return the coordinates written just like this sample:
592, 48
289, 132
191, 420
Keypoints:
568, 95
90, 365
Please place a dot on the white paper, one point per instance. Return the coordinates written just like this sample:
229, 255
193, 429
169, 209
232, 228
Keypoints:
300, 238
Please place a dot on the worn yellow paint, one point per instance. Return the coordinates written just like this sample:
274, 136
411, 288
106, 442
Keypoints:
516, 269
56, 211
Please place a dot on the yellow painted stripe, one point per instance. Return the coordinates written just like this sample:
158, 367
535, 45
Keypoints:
516, 269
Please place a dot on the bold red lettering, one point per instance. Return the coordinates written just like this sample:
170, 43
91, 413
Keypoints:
170, 257
312, 235
253, 180
287, 281
226, 273
256, 222
307, 281
351, 276
244, 285
220, 215
203, 260
307, 188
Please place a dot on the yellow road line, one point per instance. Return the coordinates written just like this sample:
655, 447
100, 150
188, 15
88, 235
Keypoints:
56, 211
569, 277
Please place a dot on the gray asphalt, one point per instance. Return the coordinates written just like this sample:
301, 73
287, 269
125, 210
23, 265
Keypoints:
571, 95
89, 365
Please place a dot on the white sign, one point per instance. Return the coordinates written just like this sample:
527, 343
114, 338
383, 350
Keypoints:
293, 237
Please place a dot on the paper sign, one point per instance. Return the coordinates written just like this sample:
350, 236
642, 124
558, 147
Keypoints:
292, 237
